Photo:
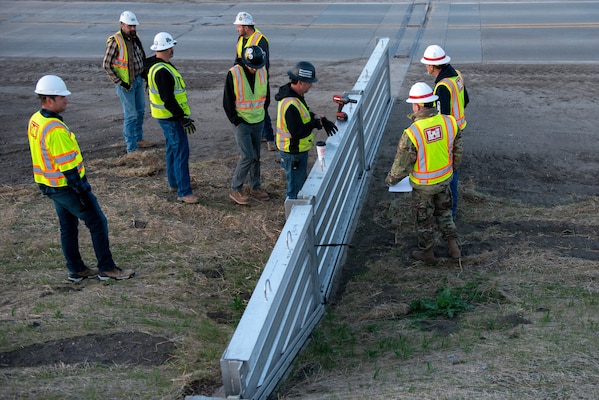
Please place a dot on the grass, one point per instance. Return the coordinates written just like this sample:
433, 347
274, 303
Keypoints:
516, 319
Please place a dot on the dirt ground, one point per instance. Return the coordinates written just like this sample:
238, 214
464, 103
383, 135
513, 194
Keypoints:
531, 136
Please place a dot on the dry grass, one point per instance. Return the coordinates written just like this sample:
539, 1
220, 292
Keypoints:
196, 267
532, 334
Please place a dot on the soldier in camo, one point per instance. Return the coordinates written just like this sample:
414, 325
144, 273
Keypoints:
427, 152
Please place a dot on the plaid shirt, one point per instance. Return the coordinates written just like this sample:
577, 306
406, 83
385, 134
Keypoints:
136, 54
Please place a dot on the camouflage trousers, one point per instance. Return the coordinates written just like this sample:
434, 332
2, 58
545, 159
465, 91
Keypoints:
431, 209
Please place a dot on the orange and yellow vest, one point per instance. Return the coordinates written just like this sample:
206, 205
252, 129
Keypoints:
54, 149
283, 135
433, 137
249, 104
156, 103
253, 40
455, 85
121, 62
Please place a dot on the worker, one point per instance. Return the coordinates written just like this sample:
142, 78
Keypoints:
168, 104
124, 64
250, 36
60, 174
427, 152
245, 99
453, 97
295, 125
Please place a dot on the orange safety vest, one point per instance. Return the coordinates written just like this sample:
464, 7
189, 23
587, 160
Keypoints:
433, 137
455, 85
121, 63
54, 149
283, 135
249, 104
253, 40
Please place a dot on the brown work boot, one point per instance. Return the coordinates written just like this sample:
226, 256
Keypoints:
239, 197
81, 275
116, 273
144, 144
259, 194
454, 248
427, 256
270, 146
189, 199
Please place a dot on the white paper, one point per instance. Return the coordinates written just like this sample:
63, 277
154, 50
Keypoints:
401, 186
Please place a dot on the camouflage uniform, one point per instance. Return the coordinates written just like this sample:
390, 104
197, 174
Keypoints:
430, 203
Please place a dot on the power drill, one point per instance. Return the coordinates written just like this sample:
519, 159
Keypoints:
342, 100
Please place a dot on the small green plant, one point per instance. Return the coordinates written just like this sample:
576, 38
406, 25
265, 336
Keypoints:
448, 303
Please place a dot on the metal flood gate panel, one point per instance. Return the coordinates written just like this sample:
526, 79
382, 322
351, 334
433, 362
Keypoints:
290, 296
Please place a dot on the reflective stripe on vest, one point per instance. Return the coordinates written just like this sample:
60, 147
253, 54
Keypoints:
156, 103
283, 134
253, 40
121, 62
434, 139
53, 149
455, 85
249, 104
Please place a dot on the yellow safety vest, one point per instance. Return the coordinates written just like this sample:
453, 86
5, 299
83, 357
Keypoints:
283, 134
253, 40
455, 85
54, 149
121, 63
156, 103
249, 104
433, 137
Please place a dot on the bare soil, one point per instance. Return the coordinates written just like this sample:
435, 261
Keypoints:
531, 137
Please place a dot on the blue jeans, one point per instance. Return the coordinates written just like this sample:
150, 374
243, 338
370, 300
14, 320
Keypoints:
268, 133
296, 171
70, 210
248, 139
134, 107
453, 186
177, 156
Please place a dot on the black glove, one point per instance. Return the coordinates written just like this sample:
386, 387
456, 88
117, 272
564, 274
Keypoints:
85, 201
329, 127
188, 125
126, 86
317, 123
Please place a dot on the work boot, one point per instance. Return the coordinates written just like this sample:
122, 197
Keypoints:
454, 248
189, 199
260, 194
239, 197
116, 273
427, 256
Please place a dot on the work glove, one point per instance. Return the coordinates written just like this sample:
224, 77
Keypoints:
188, 126
329, 127
125, 86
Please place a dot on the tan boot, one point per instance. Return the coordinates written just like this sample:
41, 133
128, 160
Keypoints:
428, 256
454, 248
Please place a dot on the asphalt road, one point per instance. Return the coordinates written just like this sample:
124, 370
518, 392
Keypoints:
488, 32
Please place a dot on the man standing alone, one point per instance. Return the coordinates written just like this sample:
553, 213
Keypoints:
60, 174
124, 63
245, 99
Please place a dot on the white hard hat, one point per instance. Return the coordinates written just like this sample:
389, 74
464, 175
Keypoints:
163, 41
128, 18
421, 93
243, 18
51, 85
435, 55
